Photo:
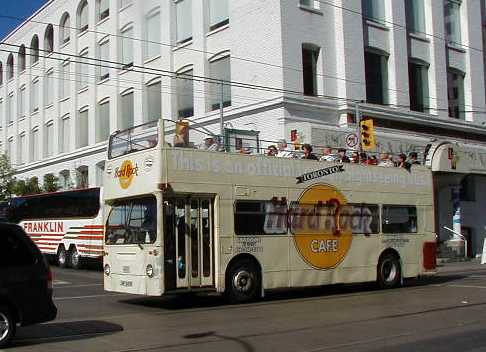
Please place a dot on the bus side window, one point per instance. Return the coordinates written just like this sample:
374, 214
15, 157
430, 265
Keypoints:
399, 219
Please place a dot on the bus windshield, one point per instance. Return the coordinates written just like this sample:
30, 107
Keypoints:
132, 221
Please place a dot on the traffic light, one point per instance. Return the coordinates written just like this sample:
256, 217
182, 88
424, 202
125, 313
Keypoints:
367, 134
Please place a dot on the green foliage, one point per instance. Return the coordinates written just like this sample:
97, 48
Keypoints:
50, 183
6, 178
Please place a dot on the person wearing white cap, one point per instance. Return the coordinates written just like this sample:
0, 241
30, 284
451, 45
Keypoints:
283, 150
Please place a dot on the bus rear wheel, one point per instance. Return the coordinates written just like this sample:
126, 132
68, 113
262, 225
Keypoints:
389, 271
243, 281
75, 258
62, 258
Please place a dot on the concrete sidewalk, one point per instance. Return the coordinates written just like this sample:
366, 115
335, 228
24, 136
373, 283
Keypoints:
470, 265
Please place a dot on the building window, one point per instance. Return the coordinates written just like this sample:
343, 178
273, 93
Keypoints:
452, 17
418, 86
65, 135
415, 15
152, 45
185, 94
310, 56
376, 71
374, 10
1, 73
103, 122
220, 69
10, 150
21, 62
83, 69
49, 39
10, 67
218, 13
1, 113
21, 154
127, 47
83, 17
125, 3
49, 139
103, 9
65, 29
21, 102
154, 102
82, 129
34, 49
34, 96
10, 112
455, 93
65, 83
184, 20
49, 88
34, 145
127, 111
103, 57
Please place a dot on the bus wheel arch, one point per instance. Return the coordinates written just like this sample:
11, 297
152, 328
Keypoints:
389, 269
243, 279
62, 256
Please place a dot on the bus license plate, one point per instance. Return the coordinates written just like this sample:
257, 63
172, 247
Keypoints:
126, 283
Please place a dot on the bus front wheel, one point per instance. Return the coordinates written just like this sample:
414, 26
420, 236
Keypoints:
389, 271
242, 282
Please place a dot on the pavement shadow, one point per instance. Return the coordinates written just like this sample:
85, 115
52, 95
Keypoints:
60, 332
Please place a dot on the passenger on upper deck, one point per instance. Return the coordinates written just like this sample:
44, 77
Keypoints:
308, 152
272, 150
283, 150
327, 155
209, 144
413, 159
402, 162
343, 158
385, 160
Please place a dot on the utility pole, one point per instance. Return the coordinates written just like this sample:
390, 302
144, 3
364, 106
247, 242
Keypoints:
358, 122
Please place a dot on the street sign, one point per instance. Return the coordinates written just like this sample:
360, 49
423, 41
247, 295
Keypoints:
352, 140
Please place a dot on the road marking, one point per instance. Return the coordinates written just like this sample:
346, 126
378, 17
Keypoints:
88, 297
468, 286
84, 285
60, 282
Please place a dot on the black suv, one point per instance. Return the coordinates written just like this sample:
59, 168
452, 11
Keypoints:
25, 283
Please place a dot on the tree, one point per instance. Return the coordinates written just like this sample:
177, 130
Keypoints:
50, 183
6, 178
33, 186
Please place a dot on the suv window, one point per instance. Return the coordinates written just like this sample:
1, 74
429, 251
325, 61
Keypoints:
13, 250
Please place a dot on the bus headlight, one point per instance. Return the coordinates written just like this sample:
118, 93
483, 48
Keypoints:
107, 270
149, 270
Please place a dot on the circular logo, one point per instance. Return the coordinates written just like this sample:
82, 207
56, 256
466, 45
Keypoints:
125, 174
321, 236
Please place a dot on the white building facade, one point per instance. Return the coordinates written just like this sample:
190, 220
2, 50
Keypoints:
77, 70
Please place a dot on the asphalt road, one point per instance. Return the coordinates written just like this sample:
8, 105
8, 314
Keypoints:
446, 313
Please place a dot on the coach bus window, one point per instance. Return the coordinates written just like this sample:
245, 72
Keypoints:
132, 222
399, 219
260, 218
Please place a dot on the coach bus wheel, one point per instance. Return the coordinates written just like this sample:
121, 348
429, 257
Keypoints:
62, 257
389, 271
242, 282
7, 326
76, 260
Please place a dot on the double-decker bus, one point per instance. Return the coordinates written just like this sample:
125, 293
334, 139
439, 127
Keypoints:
182, 219
65, 225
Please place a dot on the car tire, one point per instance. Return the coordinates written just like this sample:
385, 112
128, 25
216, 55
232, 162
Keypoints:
62, 257
389, 271
75, 259
243, 282
7, 326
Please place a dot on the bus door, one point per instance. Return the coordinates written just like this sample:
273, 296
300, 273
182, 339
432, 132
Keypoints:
188, 243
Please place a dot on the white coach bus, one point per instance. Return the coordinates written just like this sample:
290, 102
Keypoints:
182, 219
66, 225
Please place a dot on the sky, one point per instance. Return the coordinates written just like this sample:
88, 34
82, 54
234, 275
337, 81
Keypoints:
16, 8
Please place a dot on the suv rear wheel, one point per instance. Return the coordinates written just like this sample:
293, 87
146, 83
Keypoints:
7, 326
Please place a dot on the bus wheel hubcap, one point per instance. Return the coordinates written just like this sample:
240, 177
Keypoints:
390, 271
62, 257
4, 326
75, 257
242, 281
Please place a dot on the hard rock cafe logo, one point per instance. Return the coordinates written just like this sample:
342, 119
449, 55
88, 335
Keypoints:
319, 226
125, 173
